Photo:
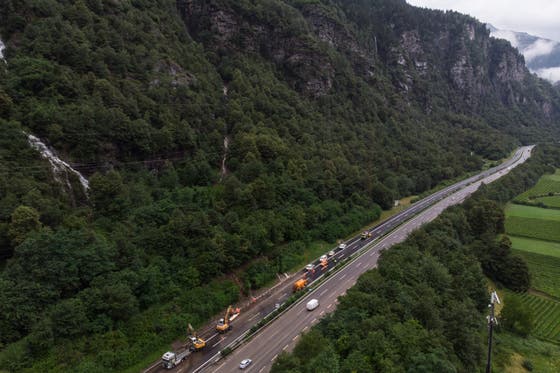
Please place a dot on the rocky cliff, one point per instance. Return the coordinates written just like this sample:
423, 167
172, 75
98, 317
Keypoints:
416, 49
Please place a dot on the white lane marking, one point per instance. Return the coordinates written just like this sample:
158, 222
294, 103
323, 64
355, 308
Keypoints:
372, 253
212, 337
323, 292
329, 306
313, 321
274, 358
262, 369
255, 315
296, 337
322, 313
358, 265
344, 275
217, 343
285, 347
304, 329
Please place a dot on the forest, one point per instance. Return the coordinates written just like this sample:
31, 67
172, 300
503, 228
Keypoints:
141, 96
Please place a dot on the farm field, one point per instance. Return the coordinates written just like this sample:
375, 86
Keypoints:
532, 212
553, 202
548, 230
546, 316
532, 245
544, 271
533, 222
547, 184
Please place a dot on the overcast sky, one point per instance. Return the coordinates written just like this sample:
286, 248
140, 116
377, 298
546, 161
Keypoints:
536, 17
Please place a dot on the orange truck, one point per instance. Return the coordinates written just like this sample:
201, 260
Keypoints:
300, 284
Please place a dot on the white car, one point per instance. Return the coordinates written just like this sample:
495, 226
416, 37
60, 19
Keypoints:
342, 246
331, 253
323, 257
245, 363
312, 304
309, 267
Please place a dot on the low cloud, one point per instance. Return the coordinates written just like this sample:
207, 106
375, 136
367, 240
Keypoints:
507, 35
551, 73
539, 48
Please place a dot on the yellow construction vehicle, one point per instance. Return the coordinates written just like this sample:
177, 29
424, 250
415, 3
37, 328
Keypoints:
197, 343
225, 324
300, 284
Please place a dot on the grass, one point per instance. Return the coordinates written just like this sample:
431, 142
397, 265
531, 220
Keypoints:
546, 316
546, 192
532, 212
548, 230
553, 202
535, 246
544, 272
511, 351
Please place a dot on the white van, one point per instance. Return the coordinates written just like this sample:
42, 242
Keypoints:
312, 304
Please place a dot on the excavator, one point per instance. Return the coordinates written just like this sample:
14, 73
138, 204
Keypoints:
171, 359
197, 343
225, 324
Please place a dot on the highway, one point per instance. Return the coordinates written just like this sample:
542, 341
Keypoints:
284, 331
282, 334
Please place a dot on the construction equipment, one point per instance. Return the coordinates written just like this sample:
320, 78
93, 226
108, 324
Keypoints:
324, 262
197, 343
225, 324
171, 359
300, 284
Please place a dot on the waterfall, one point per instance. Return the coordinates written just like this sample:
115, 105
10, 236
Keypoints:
58, 166
2, 47
224, 168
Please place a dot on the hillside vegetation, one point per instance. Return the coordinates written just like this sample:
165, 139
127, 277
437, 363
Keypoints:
423, 309
330, 110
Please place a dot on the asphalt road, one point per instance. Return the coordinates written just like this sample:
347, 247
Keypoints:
283, 333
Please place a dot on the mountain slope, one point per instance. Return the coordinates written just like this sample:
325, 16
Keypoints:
542, 55
330, 110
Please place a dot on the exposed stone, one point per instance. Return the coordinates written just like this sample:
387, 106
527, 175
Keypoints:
176, 74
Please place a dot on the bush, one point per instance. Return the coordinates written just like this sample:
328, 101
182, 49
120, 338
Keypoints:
528, 365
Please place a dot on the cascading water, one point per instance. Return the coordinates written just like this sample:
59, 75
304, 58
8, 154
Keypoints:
2, 47
59, 167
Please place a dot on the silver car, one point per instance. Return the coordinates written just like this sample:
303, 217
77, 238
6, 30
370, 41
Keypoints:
245, 363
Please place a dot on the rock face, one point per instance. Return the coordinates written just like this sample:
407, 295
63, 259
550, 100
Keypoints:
222, 28
416, 48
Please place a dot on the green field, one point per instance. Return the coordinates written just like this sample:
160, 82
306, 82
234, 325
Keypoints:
536, 246
544, 272
540, 192
546, 316
549, 201
511, 351
532, 212
548, 230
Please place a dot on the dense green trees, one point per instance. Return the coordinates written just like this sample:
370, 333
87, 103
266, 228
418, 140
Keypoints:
141, 101
423, 308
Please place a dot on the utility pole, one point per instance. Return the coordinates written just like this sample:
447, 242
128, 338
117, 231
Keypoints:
491, 322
